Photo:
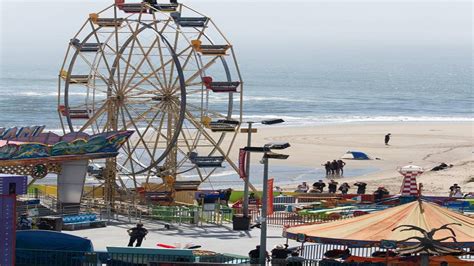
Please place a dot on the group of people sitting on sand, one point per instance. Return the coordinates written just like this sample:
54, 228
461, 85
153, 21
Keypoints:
318, 187
334, 168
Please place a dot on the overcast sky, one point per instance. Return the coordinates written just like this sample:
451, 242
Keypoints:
37, 32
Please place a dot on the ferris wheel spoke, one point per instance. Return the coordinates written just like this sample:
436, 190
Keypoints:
94, 117
101, 50
147, 58
92, 68
138, 71
197, 108
195, 75
161, 68
138, 67
131, 49
146, 130
129, 152
141, 137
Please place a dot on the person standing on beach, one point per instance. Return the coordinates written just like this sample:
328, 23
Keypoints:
335, 167
137, 234
319, 186
387, 138
327, 166
341, 165
344, 188
332, 186
360, 187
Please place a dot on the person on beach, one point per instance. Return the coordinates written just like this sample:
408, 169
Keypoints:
380, 193
335, 167
387, 138
360, 187
319, 186
341, 164
137, 234
279, 254
328, 168
254, 256
344, 188
453, 189
332, 186
302, 188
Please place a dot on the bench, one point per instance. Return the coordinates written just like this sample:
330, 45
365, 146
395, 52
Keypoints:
82, 221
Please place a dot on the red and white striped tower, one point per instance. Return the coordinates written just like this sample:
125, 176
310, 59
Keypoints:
410, 172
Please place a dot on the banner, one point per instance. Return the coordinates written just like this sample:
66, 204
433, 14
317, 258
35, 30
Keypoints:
270, 196
242, 160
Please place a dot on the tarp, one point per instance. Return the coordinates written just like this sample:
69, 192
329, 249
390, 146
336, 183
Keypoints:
355, 155
51, 240
368, 230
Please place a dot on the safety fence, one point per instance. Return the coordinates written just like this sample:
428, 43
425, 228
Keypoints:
285, 219
30, 257
213, 214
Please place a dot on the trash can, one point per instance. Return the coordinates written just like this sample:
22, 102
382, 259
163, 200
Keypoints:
239, 222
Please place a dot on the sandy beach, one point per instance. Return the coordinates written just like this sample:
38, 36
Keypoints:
425, 144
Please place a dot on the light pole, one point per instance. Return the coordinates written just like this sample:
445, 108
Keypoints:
267, 154
249, 130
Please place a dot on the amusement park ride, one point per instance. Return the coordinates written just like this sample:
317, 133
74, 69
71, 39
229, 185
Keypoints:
164, 71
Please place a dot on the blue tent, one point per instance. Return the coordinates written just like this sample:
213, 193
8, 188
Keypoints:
355, 155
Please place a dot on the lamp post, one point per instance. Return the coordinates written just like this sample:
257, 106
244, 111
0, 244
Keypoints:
249, 131
267, 154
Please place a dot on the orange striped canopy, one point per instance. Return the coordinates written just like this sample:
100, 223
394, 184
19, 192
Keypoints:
369, 229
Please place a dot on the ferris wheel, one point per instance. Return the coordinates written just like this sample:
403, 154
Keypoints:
164, 71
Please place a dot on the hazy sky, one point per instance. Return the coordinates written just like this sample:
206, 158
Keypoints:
36, 33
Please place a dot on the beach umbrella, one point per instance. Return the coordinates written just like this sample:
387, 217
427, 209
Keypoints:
368, 230
355, 155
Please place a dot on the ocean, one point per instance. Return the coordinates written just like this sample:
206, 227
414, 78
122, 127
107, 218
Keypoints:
301, 94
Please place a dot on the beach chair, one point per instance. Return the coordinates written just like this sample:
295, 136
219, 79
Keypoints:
105, 22
221, 86
197, 22
209, 49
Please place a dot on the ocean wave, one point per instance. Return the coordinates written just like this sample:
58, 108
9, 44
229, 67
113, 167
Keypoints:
330, 119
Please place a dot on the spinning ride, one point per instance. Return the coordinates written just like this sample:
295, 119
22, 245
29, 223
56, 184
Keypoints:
164, 71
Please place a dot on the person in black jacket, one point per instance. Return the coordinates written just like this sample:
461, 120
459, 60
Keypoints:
319, 186
387, 138
137, 234
332, 186
360, 187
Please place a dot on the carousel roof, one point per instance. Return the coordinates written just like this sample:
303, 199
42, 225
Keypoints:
369, 229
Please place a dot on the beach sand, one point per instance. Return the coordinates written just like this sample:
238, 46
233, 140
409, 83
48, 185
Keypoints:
425, 144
